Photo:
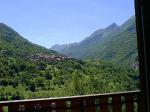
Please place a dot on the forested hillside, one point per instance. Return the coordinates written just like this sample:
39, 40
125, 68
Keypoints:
15, 45
28, 71
115, 43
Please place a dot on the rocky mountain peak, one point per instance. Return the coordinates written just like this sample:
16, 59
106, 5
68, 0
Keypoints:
112, 26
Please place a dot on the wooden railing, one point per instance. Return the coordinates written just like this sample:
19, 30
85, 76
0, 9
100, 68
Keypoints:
111, 102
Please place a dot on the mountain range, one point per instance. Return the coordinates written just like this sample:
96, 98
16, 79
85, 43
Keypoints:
28, 70
114, 43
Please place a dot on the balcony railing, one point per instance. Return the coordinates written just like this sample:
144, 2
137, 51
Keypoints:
110, 102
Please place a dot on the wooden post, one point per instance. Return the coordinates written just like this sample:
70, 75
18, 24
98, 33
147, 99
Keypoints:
129, 103
90, 105
1, 108
104, 104
13, 108
116, 103
60, 105
29, 107
75, 105
46, 106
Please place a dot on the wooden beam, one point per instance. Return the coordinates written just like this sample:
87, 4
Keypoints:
90, 105
129, 103
116, 103
75, 105
104, 104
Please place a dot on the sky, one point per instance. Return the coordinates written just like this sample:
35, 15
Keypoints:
49, 22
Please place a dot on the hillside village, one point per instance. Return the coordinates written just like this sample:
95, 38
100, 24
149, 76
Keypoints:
47, 58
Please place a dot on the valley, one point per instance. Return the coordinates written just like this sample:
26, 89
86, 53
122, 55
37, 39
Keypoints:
101, 63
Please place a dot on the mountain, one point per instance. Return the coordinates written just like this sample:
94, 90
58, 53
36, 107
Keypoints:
120, 46
59, 48
80, 49
114, 43
28, 70
14, 44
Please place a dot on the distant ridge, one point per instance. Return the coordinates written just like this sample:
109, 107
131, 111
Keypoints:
80, 48
114, 43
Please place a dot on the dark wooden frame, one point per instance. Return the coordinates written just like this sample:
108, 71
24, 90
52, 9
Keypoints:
143, 34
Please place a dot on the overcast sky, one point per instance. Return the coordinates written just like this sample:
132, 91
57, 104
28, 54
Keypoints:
49, 22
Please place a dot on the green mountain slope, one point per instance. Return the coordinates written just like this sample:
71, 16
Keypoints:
28, 71
80, 49
12, 43
120, 47
114, 43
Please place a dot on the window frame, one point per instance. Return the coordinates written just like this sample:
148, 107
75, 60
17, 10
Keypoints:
143, 32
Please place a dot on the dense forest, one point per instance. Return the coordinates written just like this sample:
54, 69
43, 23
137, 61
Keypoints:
29, 71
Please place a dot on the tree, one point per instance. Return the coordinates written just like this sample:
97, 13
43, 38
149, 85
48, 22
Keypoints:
32, 86
16, 96
77, 84
4, 82
15, 81
39, 81
48, 75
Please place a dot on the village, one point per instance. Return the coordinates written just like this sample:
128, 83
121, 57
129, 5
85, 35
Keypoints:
47, 58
